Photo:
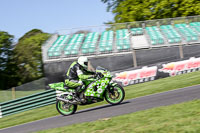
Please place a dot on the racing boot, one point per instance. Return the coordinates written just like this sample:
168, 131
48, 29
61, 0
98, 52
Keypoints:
77, 98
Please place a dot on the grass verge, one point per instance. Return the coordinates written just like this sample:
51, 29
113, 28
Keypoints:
6, 95
176, 118
132, 91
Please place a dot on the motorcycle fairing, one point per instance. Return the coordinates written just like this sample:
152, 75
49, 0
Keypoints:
96, 89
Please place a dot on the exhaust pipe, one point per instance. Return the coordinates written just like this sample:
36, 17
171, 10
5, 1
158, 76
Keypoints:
66, 101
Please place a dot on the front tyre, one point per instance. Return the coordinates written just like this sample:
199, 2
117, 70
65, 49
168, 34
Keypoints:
115, 96
65, 108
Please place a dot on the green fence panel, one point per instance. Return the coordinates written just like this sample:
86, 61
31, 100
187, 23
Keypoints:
28, 99
27, 103
33, 95
0, 112
29, 106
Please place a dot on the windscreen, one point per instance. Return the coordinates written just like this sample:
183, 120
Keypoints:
101, 68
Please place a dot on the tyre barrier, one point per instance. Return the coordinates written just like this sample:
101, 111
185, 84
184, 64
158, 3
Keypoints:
27, 103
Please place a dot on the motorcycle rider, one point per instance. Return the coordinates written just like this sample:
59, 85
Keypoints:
78, 71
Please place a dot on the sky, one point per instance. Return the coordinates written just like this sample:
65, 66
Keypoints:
20, 16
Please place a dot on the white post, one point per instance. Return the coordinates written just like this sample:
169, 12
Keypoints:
134, 58
181, 51
0, 112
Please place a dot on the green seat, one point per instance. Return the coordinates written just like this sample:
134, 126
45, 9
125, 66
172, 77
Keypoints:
137, 31
155, 35
188, 33
122, 39
106, 41
84, 51
74, 52
195, 24
58, 45
74, 44
101, 49
119, 47
91, 50
50, 54
90, 43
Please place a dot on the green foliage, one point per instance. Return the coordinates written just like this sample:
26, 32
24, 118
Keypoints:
22, 62
5, 49
6, 59
140, 10
28, 56
112, 4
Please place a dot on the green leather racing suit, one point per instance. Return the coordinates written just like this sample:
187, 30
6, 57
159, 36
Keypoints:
75, 74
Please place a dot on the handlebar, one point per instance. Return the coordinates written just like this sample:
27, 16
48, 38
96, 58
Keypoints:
99, 75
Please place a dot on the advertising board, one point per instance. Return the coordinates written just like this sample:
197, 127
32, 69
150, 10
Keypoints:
136, 76
181, 67
151, 73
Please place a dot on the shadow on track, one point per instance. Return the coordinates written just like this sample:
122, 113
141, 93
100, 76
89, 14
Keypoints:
101, 107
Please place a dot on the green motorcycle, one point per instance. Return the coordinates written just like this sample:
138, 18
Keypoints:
94, 90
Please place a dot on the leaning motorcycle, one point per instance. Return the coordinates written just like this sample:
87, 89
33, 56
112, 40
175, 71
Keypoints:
94, 90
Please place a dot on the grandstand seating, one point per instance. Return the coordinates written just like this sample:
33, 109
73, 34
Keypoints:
137, 31
188, 33
122, 39
170, 33
155, 35
106, 42
72, 48
56, 48
196, 26
89, 45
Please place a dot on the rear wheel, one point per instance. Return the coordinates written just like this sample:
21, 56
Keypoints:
116, 95
65, 108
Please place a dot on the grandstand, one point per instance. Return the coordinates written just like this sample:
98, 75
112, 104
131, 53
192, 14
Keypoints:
186, 31
119, 46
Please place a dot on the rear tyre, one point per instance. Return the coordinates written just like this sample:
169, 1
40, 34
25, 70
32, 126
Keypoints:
65, 108
116, 96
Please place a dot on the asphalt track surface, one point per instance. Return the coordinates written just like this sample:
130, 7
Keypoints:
105, 111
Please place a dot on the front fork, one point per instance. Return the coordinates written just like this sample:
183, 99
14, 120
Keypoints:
111, 87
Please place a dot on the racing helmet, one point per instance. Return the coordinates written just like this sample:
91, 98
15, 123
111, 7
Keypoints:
83, 61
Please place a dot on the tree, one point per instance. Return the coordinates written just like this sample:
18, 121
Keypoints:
112, 4
6, 56
140, 10
5, 49
28, 55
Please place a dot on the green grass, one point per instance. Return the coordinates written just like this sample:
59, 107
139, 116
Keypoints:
132, 91
6, 95
178, 118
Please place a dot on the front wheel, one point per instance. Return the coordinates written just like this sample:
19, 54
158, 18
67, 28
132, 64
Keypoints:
115, 96
65, 108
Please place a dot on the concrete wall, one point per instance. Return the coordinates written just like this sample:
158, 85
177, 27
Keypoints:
191, 50
152, 56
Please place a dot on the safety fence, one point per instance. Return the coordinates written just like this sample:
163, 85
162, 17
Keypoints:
27, 103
